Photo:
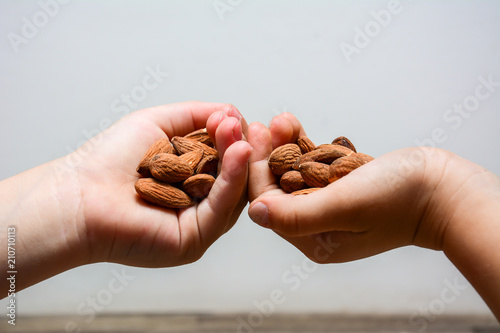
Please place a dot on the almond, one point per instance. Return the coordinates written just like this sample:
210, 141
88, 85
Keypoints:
208, 165
343, 141
185, 145
343, 166
200, 135
193, 157
170, 168
306, 191
160, 146
198, 186
292, 181
327, 154
315, 174
366, 158
305, 144
283, 158
162, 194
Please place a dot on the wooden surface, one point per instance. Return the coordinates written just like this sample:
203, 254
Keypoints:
276, 323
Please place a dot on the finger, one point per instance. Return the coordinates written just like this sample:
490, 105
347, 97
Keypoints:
285, 128
260, 178
215, 212
215, 119
227, 133
182, 118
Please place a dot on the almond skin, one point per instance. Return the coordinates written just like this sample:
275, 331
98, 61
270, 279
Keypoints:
162, 194
343, 141
343, 166
305, 144
160, 146
200, 135
283, 158
185, 145
306, 191
193, 158
170, 168
292, 181
198, 186
315, 174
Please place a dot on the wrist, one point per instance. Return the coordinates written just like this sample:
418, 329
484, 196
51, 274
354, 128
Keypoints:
43, 205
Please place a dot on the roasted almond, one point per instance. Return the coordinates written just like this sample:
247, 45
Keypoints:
185, 145
305, 144
198, 186
170, 168
327, 155
292, 181
162, 194
343, 166
315, 174
193, 157
160, 146
200, 135
208, 165
343, 141
283, 158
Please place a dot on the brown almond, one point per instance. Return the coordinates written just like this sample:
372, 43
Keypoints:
170, 168
292, 181
160, 146
200, 135
365, 157
315, 174
305, 144
193, 157
162, 194
343, 141
343, 166
198, 186
306, 191
185, 145
283, 158
327, 155
208, 165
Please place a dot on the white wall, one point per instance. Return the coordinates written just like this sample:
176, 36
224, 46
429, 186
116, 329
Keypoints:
265, 57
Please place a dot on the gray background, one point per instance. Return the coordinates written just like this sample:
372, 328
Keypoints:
265, 57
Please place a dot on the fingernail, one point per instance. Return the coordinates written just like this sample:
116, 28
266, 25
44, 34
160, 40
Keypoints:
259, 213
237, 132
232, 112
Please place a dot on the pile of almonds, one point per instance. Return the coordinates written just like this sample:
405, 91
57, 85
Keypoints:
303, 168
178, 172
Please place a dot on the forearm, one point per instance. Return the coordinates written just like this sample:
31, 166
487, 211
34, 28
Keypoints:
42, 204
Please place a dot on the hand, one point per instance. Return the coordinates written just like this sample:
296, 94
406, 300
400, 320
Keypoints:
83, 208
123, 228
418, 196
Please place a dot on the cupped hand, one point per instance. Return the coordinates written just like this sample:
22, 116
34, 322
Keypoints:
118, 226
380, 206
